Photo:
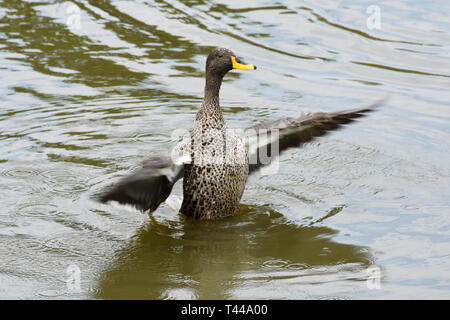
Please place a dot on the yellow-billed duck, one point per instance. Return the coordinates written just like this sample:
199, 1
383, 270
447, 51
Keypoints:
216, 162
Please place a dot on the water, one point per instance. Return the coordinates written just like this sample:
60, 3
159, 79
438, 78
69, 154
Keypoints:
92, 88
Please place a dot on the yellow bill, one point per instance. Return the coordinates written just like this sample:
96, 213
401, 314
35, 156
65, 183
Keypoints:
238, 64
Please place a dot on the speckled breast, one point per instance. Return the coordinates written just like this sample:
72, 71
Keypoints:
214, 182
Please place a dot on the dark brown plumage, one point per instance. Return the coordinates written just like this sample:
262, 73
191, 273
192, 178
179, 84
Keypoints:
294, 132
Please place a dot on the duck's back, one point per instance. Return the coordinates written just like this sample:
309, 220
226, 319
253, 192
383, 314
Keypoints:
214, 181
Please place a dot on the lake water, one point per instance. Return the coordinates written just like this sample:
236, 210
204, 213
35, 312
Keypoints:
89, 89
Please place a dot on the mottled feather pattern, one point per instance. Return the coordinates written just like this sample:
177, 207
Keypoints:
214, 182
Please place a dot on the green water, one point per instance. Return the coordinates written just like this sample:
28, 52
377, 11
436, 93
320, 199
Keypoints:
90, 89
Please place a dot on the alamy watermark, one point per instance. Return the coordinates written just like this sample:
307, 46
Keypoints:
73, 281
74, 19
373, 277
374, 19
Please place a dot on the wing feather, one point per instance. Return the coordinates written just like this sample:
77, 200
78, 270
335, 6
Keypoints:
288, 132
150, 185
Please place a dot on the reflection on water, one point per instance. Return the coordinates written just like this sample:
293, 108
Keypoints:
82, 107
258, 251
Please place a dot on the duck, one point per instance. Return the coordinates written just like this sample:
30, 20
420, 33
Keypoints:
216, 161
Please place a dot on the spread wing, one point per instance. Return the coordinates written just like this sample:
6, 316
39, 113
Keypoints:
150, 185
273, 137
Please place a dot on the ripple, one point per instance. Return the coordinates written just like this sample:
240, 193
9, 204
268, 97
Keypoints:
275, 264
179, 293
298, 266
80, 244
24, 245
51, 293
20, 172
65, 181
37, 210
60, 248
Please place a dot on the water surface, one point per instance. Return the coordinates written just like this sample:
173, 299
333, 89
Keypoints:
91, 88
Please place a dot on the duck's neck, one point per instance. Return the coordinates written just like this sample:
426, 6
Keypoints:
211, 107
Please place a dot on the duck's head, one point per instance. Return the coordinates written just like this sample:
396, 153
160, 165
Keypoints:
222, 60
